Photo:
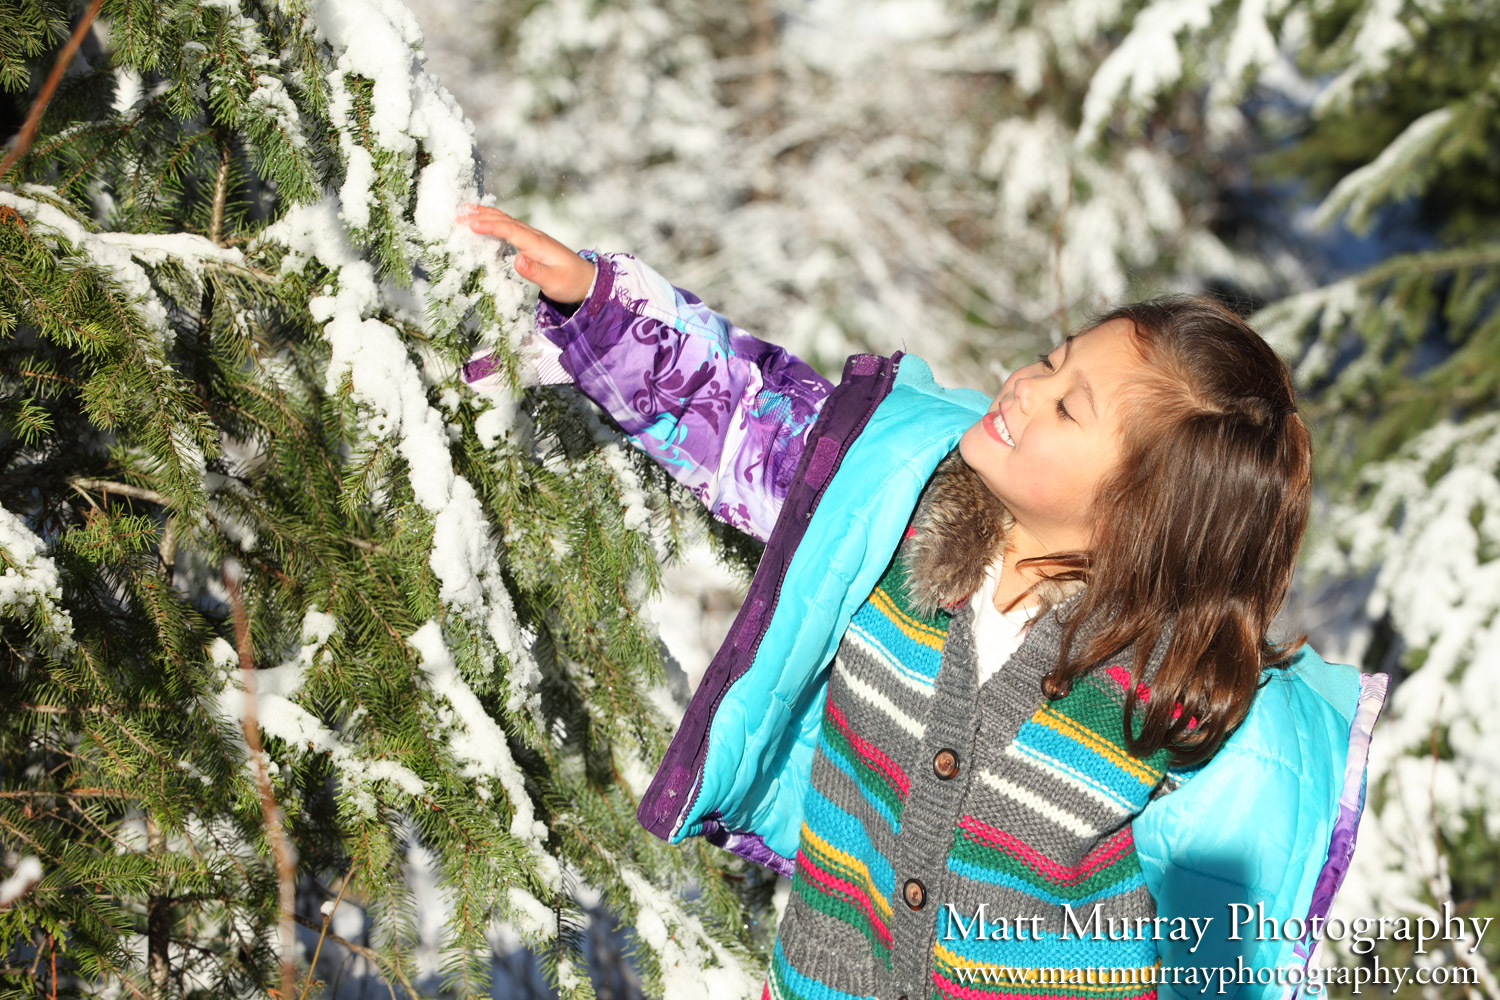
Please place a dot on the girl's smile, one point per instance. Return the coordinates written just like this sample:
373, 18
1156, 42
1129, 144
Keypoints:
995, 424
1053, 433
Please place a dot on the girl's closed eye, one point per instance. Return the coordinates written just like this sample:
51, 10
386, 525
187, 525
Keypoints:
1062, 410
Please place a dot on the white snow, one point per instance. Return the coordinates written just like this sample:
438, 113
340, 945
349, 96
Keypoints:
1389, 174
31, 581
476, 739
684, 948
279, 714
1430, 528
123, 254
530, 915
1145, 64
28, 873
1379, 34
490, 425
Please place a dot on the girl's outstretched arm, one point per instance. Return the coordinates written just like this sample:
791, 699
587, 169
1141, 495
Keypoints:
725, 414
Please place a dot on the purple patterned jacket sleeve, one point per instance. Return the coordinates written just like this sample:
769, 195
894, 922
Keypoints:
724, 413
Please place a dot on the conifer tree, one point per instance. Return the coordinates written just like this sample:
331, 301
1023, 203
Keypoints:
285, 606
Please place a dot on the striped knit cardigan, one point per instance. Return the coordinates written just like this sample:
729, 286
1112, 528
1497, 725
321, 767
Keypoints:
956, 840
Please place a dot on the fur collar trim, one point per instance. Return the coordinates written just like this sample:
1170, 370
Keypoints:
957, 531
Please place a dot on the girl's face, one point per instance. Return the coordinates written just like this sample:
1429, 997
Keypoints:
1054, 433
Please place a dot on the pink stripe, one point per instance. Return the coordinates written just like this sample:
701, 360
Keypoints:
871, 753
1100, 857
832, 885
950, 988
1121, 676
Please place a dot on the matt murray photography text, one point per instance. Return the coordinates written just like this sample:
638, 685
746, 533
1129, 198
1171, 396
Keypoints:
1243, 922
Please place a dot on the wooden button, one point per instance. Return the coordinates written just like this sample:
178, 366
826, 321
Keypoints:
915, 893
945, 763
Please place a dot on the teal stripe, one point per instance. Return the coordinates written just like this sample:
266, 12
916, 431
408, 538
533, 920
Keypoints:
847, 766
848, 834
1075, 755
990, 876
886, 656
1082, 777
1049, 950
919, 661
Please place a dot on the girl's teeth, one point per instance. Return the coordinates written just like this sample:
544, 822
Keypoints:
1003, 430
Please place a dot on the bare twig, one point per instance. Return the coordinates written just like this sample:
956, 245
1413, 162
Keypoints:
82, 483
166, 550
368, 954
327, 919
286, 875
28, 128
158, 922
221, 185
69, 793
36, 963
106, 709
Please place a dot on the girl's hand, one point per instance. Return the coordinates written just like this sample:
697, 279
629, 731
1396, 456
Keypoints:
562, 275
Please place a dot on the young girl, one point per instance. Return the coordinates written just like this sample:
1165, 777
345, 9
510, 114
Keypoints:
1000, 699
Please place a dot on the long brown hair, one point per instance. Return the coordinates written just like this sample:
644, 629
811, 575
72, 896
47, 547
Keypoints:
1196, 532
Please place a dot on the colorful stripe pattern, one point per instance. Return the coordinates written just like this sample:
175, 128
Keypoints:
838, 884
1043, 828
965, 979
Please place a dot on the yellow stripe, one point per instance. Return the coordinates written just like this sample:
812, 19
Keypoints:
1053, 719
909, 626
1031, 977
852, 865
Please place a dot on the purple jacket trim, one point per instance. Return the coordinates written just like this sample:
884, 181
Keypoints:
1372, 690
747, 845
867, 381
480, 366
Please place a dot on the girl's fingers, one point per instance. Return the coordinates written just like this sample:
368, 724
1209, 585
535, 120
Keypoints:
493, 222
560, 273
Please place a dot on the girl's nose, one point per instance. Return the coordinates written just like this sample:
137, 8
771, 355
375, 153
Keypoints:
1023, 394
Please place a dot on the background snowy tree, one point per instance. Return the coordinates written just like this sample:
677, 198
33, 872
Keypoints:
293, 621
836, 176
1382, 120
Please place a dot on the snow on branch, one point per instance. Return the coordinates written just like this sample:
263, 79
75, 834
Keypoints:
272, 704
685, 947
1396, 173
475, 738
27, 874
365, 315
29, 585
1145, 64
1378, 35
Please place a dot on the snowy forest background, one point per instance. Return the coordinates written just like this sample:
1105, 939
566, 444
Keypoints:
234, 450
